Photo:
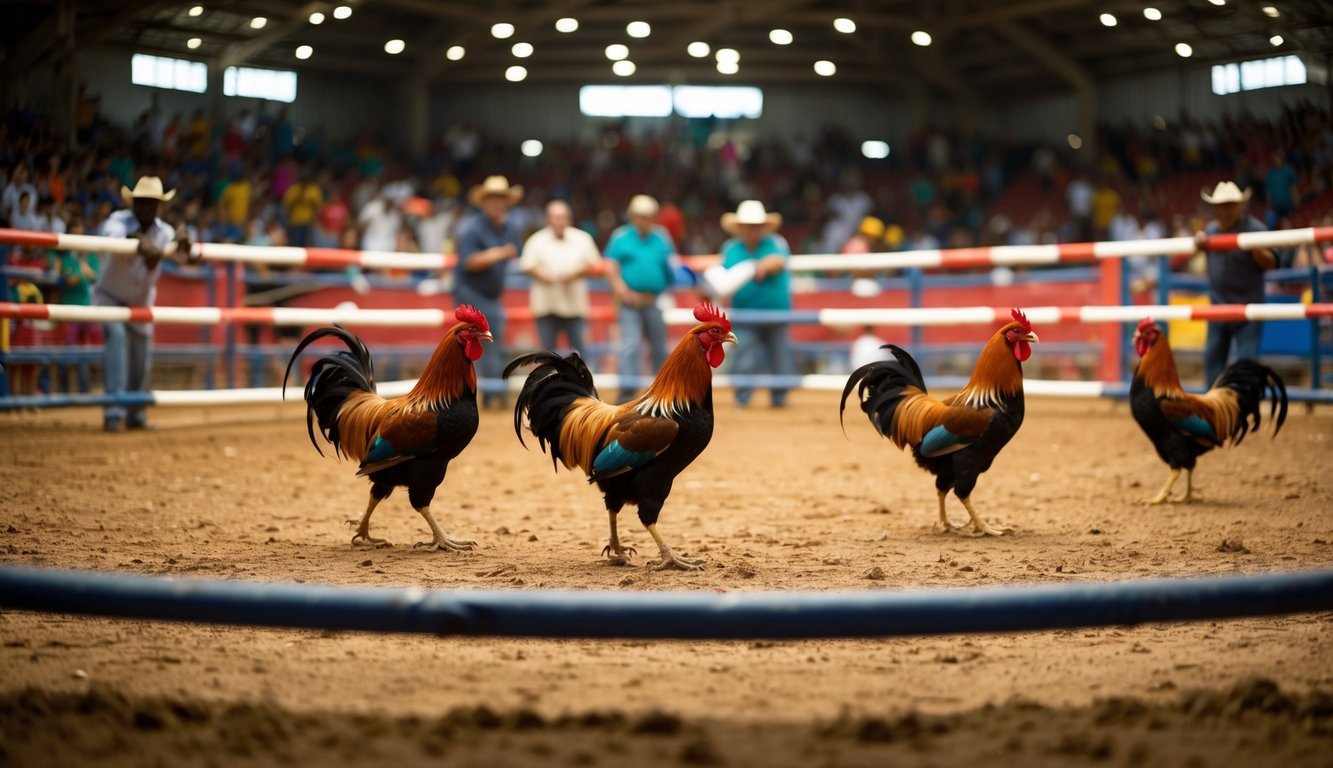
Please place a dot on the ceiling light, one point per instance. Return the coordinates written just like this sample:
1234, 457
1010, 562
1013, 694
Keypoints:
845, 26
1184, 50
825, 68
304, 52
521, 50
197, 10
921, 38
193, 43
394, 47
624, 68
516, 73
1276, 40
530, 148
616, 52
566, 25
1075, 141
1218, 2
727, 54
1108, 19
697, 50
258, 22
780, 37
728, 67
454, 53
638, 29
1271, 11
502, 30
342, 12
1152, 14
316, 18
875, 150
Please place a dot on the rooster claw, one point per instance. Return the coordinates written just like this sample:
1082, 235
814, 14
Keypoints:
672, 561
624, 556
446, 544
985, 530
363, 540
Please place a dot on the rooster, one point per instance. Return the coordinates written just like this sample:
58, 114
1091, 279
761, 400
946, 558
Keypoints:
957, 438
1182, 426
408, 440
633, 451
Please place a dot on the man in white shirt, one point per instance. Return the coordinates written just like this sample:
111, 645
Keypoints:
130, 280
380, 223
557, 257
12, 204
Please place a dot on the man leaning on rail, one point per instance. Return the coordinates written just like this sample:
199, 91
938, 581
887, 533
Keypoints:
130, 280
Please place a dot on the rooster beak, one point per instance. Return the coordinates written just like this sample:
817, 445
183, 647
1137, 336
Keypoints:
486, 336
731, 337
1031, 338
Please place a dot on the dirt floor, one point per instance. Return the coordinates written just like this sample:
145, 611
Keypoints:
781, 500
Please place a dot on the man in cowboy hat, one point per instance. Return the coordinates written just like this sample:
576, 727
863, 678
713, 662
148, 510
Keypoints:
639, 256
755, 238
130, 280
486, 243
1234, 277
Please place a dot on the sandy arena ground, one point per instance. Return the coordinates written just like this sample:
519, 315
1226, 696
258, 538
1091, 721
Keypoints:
781, 500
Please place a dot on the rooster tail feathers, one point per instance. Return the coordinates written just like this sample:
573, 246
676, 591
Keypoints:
551, 387
333, 378
881, 385
1253, 382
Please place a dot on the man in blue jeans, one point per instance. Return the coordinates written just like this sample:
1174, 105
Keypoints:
755, 238
130, 280
639, 256
486, 244
1234, 277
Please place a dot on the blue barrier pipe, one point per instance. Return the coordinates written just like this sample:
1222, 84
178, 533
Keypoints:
666, 615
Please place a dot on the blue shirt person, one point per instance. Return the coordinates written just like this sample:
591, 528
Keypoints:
1234, 277
486, 244
639, 257
755, 238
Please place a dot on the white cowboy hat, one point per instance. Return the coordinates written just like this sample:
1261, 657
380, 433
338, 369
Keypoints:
642, 205
495, 186
750, 212
146, 188
1225, 192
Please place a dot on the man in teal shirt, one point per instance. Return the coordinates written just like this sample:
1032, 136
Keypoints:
755, 238
77, 273
640, 255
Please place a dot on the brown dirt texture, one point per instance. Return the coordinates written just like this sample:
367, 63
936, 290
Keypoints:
781, 500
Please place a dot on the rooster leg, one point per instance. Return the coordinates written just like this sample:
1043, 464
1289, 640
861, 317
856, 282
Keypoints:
363, 537
981, 527
945, 525
1189, 487
442, 541
669, 557
1165, 494
613, 550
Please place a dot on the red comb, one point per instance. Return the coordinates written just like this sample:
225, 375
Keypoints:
1144, 324
470, 314
707, 313
1021, 319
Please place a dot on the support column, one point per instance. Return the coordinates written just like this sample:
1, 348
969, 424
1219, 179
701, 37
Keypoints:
417, 126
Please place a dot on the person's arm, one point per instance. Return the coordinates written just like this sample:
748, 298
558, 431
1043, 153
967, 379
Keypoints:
478, 259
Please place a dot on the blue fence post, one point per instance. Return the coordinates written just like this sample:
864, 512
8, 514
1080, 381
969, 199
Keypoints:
916, 284
229, 334
1316, 356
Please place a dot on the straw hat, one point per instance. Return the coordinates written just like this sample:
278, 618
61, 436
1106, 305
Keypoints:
1225, 192
495, 186
146, 188
872, 227
750, 212
642, 205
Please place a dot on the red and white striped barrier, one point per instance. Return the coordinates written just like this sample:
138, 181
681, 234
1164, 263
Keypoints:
956, 258
438, 318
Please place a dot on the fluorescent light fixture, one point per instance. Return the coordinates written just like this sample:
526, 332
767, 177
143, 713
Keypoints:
316, 18
780, 37
193, 43
638, 29
698, 49
1152, 14
825, 68
624, 67
727, 54
1276, 40
304, 52
521, 50
566, 25
875, 150
728, 67
921, 38
1108, 19
197, 10
502, 30
617, 51
845, 26
530, 148
1184, 50
342, 12
516, 74
1271, 11
394, 47
454, 52
258, 22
